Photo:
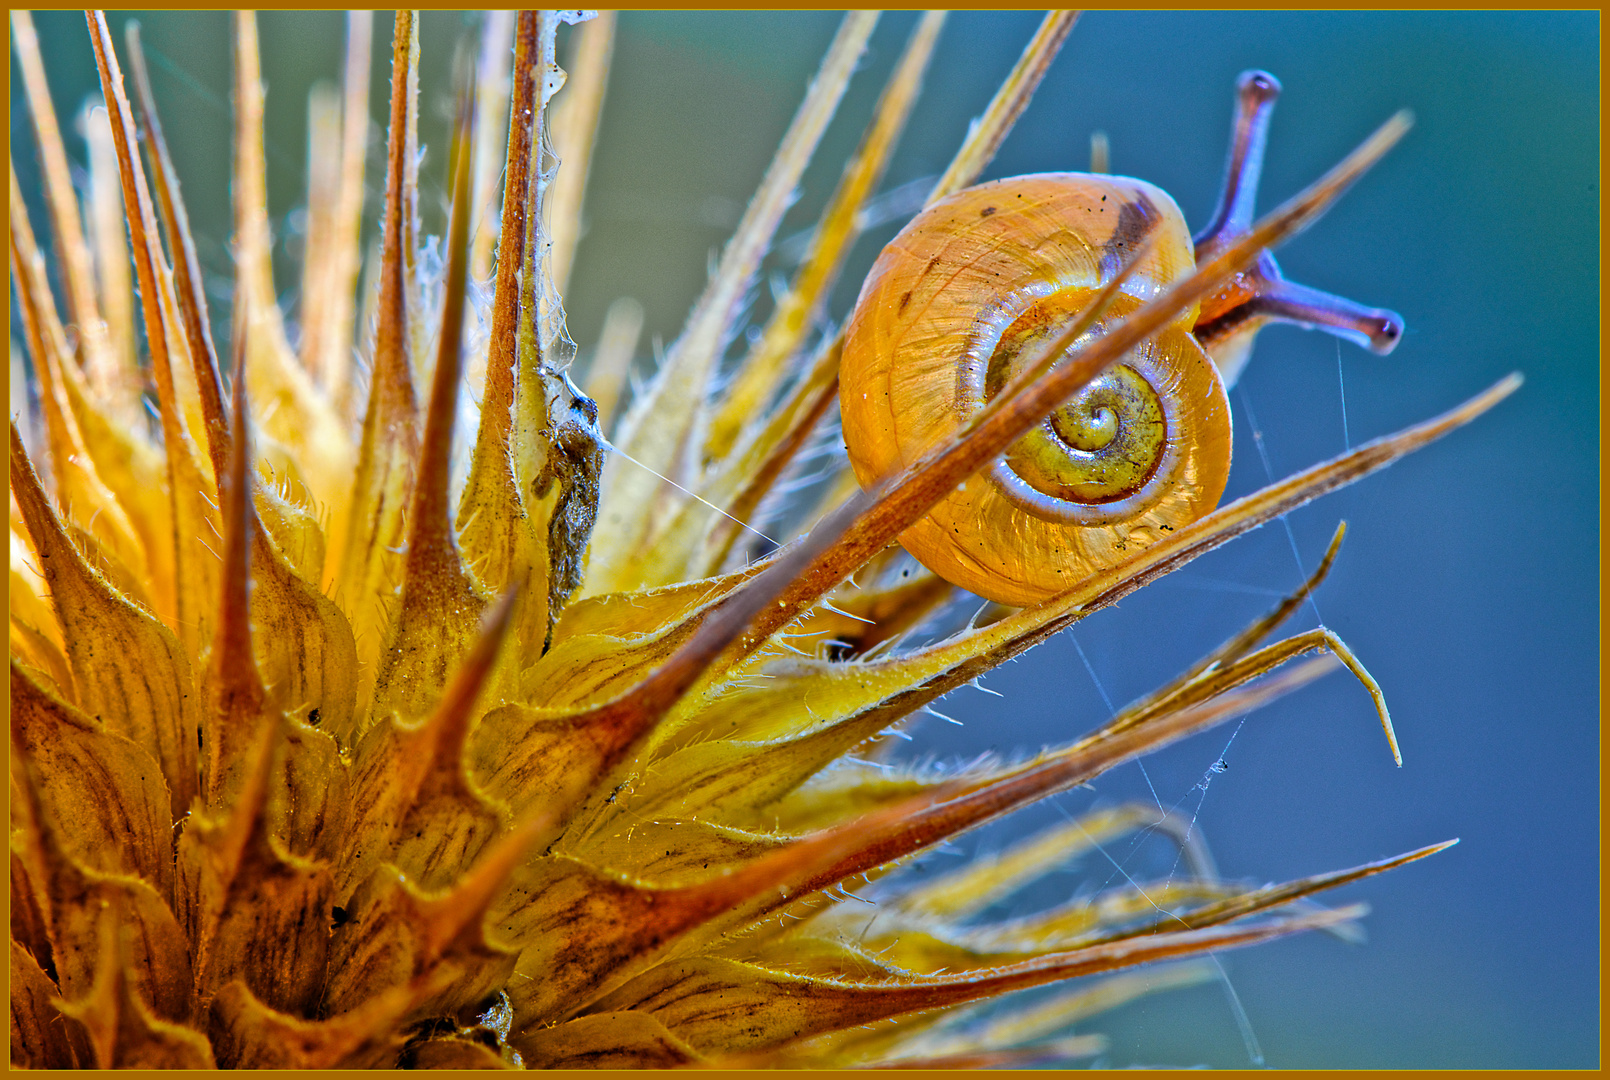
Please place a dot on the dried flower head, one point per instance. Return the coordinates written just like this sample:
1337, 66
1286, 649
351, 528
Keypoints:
330, 749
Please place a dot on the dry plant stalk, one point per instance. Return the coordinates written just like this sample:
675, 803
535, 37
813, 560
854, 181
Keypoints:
310, 769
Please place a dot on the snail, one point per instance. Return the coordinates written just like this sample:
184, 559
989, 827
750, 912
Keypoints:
954, 306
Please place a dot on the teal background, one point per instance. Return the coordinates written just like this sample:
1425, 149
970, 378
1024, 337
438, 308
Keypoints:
1469, 581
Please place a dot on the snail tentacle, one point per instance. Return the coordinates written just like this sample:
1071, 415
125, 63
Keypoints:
1231, 318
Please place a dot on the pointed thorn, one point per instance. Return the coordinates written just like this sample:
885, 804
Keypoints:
233, 664
248, 815
186, 266
450, 724
430, 549
392, 389
497, 401
141, 218
458, 914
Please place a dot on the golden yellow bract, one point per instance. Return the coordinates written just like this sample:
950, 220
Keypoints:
309, 770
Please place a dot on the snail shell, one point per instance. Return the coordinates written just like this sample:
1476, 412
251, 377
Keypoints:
956, 302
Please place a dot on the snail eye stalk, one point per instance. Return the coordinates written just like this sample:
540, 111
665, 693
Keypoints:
1231, 318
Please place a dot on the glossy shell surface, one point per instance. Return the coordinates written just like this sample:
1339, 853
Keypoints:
955, 301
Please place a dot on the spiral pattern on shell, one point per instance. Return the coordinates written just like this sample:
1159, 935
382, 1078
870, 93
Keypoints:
952, 309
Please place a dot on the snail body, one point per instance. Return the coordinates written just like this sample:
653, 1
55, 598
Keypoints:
956, 304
